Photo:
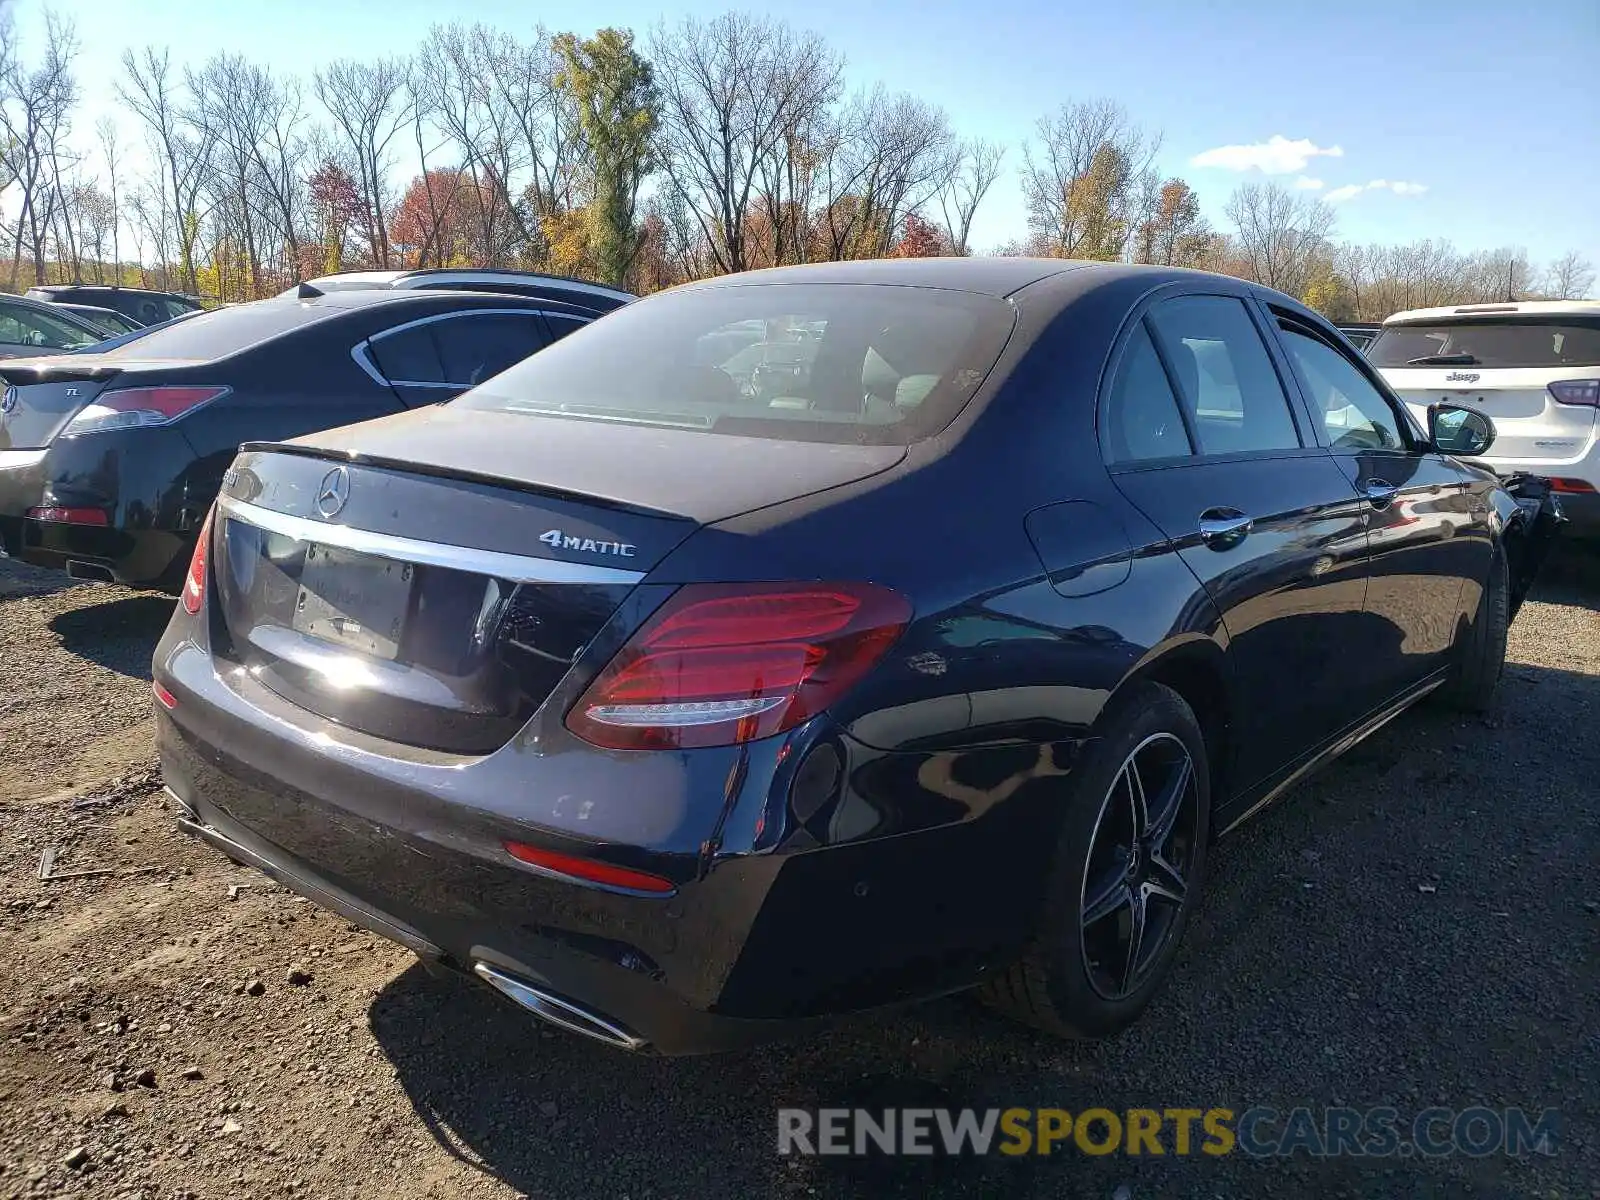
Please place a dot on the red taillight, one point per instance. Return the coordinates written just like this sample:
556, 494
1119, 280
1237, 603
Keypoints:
719, 664
61, 515
1571, 486
1585, 392
129, 408
165, 698
194, 586
589, 870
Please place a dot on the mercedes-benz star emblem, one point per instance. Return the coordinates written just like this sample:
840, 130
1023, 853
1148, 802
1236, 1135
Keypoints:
335, 490
9, 400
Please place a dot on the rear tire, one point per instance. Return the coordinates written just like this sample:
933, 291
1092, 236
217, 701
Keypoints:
1076, 980
1480, 653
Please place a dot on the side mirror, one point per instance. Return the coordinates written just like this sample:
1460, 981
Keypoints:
1458, 430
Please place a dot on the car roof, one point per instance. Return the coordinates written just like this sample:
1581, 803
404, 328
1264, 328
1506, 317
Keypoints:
54, 288
999, 277
985, 276
1528, 308
393, 279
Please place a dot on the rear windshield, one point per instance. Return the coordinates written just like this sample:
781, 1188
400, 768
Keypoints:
219, 332
1502, 342
799, 362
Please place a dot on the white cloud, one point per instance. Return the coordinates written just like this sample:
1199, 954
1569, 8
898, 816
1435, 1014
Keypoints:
1306, 184
1275, 156
1399, 187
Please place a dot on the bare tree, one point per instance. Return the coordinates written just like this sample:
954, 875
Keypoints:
1091, 179
111, 151
972, 171
1501, 274
468, 112
540, 129
891, 157
1570, 277
1279, 234
183, 146
36, 106
732, 91
368, 104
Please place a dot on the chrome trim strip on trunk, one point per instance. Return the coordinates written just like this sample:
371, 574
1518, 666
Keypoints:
517, 568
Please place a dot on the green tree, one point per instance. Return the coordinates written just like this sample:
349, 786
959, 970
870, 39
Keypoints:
613, 87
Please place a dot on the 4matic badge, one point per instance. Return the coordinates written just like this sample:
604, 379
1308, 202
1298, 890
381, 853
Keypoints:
557, 540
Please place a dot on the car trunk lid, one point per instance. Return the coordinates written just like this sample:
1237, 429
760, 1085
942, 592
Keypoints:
422, 608
40, 398
42, 395
421, 599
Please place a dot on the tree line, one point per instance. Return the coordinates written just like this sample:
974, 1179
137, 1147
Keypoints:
701, 148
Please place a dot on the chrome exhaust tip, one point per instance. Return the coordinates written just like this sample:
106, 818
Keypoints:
565, 1013
93, 572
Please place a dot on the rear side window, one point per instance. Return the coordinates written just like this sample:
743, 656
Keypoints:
1142, 417
864, 363
1227, 379
1498, 342
458, 351
478, 347
408, 355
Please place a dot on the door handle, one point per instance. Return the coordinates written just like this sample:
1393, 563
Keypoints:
1222, 527
1379, 492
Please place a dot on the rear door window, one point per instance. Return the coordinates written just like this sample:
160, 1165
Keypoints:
1499, 342
1228, 383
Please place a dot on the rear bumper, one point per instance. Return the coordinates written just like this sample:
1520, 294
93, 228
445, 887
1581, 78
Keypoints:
143, 559
143, 480
865, 899
644, 1016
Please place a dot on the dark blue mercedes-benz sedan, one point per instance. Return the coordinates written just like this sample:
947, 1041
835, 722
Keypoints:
803, 641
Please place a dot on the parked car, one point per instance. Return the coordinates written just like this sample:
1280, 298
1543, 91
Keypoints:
108, 320
1533, 366
683, 711
144, 306
1360, 335
31, 328
109, 461
596, 299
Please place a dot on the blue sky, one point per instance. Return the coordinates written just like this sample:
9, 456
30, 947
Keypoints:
1480, 120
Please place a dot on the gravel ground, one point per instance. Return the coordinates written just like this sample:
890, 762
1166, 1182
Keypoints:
1415, 926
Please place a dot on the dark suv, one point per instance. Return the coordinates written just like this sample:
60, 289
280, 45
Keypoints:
145, 307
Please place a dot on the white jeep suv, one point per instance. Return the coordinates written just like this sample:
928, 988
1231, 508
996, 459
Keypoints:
1533, 367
